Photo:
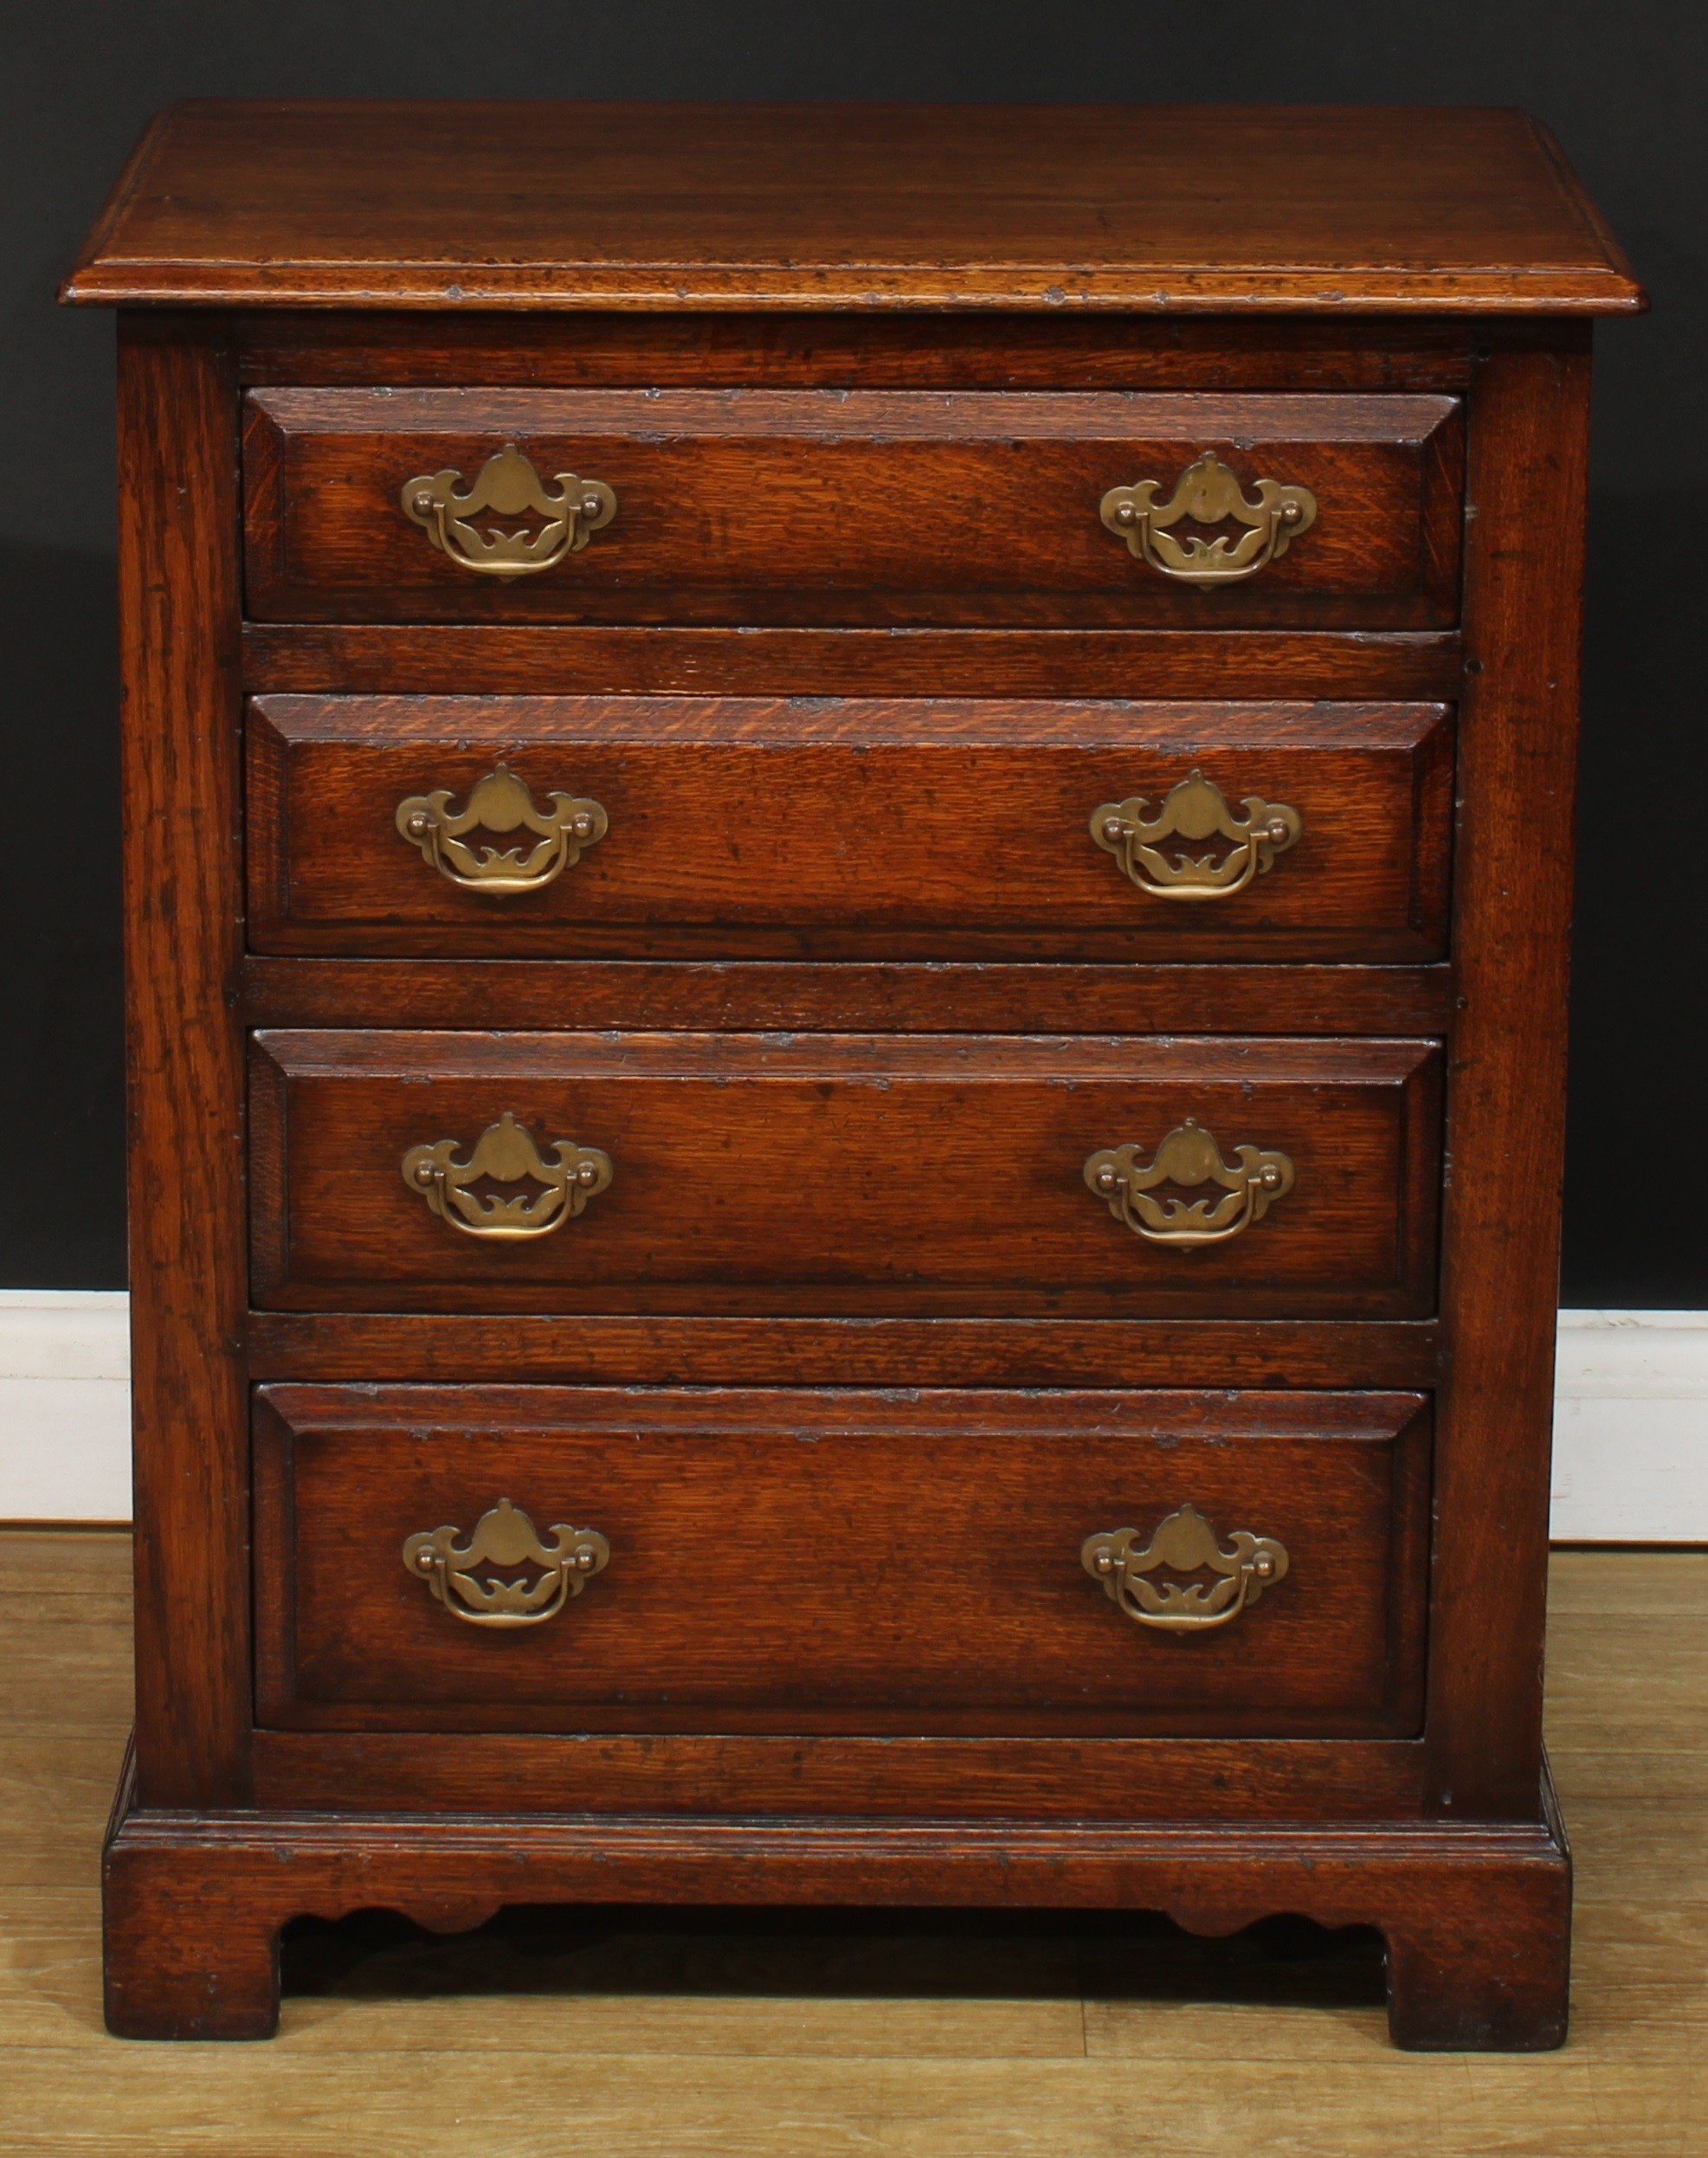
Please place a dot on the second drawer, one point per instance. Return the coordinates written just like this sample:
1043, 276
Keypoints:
665, 827
844, 1175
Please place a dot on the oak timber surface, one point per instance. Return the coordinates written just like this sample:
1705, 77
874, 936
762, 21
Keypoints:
714, 2036
842, 1175
881, 508
347, 1639
864, 827
1157, 209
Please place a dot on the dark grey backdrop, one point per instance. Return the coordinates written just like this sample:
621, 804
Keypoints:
1621, 85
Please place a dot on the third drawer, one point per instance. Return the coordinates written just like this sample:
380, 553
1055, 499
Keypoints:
845, 1176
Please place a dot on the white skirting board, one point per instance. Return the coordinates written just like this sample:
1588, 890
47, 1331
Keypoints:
1630, 1433
65, 1405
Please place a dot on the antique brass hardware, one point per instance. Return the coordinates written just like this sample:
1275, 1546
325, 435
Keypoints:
500, 803
1195, 808
1189, 1156
504, 1536
1185, 1543
1209, 492
508, 486
505, 1153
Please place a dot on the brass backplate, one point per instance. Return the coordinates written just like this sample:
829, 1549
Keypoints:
1183, 1542
1208, 493
504, 1538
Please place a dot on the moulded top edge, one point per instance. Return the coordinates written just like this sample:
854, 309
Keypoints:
806, 288
1141, 209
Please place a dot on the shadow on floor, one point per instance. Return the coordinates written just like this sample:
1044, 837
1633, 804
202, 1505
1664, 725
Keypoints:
910, 1955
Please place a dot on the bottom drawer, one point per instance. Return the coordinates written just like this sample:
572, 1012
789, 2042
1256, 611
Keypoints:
562, 1558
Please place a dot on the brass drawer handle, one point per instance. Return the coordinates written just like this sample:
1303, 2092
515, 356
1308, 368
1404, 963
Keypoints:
508, 486
505, 1153
550, 1573
1208, 492
1189, 1156
500, 803
1184, 1543
1195, 810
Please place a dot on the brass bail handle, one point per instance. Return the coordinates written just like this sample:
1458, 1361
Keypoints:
500, 803
1189, 1156
505, 1153
1208, 493
508, 487
504, 1537
1194, 810
1183, 1542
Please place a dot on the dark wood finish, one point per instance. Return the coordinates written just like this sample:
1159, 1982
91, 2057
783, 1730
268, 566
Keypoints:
1233, 1780
1507, 1118
868, 1175
750, 996
182, 782
851, 351
446, 1348
445, 659
847, 1095
799, 827
1477, 1919
766, 1575
885, 507
1158, 209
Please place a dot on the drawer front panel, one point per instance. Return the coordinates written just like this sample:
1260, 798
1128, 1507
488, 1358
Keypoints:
852, 507
858, 828
844, 1175
839, 1560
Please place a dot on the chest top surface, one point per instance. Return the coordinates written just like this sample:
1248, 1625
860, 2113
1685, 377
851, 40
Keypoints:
1145, 209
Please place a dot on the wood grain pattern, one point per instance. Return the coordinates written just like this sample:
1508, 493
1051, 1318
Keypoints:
811, 828
178, 507
446, 1348
1315, 209
1507, 1113
445, 659
824, 1775
826, 507
761, 996
856, 377
853, 1175
1058, 351
1476, 1922
765, 1576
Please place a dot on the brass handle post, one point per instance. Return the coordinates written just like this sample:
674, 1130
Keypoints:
501, 804
1189, 1156
505, 1153
508, 487
1208, 493
504, 1537
1194, 810
1183, 1542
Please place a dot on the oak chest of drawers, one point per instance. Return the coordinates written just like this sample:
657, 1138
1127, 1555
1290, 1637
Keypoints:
848, 857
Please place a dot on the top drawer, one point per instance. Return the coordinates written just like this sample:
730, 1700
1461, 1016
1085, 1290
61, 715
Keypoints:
1066, 508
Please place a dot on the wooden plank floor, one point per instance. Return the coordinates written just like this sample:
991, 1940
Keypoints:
699, 2036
